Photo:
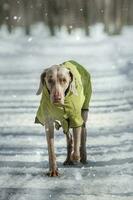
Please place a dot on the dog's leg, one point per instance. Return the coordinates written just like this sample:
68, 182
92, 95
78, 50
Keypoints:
83, 153
77, 142
68, 160
49, 127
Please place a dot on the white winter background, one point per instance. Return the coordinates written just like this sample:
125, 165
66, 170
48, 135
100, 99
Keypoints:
23, 149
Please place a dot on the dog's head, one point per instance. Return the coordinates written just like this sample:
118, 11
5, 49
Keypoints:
58, 81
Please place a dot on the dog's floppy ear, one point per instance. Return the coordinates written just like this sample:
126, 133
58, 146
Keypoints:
72, 84
41, 84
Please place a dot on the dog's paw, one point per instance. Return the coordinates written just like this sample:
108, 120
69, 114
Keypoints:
75, 157
83, 158
84, 161
53, 173
68, 162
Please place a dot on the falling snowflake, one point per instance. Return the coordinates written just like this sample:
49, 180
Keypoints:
15, 17
29, 39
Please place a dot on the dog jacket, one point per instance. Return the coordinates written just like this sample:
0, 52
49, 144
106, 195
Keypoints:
69, 114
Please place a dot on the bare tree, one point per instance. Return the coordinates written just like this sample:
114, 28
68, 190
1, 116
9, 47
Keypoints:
114, 14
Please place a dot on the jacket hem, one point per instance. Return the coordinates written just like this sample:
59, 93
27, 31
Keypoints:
85, 109
77, 126
38, 122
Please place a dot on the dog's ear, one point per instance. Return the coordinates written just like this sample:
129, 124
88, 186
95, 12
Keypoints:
42, 82
73, 84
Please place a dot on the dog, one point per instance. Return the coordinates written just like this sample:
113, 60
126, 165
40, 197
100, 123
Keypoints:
66, 91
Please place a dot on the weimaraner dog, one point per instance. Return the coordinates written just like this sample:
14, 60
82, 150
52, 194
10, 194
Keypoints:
66, 91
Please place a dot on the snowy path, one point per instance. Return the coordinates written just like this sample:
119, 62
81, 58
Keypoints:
23, 149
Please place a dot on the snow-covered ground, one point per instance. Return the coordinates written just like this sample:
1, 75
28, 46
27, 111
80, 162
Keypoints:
23, 149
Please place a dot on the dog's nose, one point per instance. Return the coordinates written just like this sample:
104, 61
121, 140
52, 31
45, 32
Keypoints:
57, 96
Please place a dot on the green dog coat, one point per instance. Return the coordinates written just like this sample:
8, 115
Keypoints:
69, 114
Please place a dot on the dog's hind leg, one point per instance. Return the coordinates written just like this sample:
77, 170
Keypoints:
83, 153
69, 139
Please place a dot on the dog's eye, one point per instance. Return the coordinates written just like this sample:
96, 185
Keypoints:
62, 80
50, 81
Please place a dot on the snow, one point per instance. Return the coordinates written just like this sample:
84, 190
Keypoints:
23, 149
15, 17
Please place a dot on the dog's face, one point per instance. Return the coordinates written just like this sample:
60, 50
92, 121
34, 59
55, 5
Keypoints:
57, 79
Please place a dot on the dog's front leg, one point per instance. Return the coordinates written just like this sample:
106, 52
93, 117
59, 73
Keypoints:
77, 142
49, 127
